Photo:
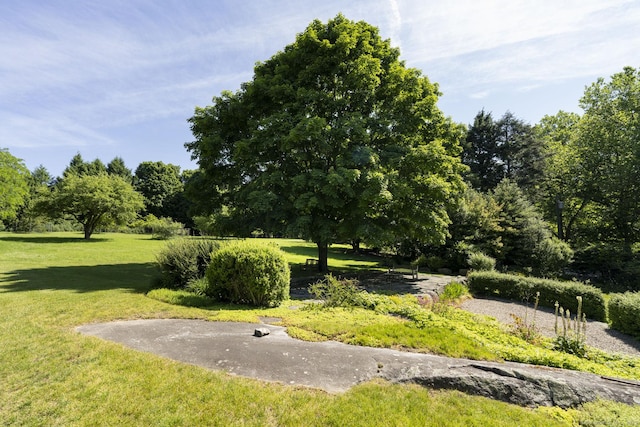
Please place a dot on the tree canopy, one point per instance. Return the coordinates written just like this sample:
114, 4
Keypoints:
93, 200
333, 139
160, 184
14, 184
608, 149
506, 148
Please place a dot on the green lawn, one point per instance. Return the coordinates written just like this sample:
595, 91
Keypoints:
51, 375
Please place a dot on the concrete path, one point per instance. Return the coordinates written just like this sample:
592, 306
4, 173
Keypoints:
335, 367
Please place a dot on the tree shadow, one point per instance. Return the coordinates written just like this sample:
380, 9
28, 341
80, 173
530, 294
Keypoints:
132, 277
52, 239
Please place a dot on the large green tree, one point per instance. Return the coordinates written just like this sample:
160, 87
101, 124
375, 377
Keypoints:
563, 197
118, 167
40, 181
93, 201
506, 148
14, 184
481, 153
608, 149
527, 240
77, 166
333, 139
160, 184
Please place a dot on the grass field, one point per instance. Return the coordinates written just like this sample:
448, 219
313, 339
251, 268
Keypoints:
52, 376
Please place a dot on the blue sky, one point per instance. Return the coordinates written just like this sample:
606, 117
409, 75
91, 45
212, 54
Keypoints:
114, 78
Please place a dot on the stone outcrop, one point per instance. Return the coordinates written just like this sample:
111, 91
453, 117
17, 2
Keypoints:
523, 385
335, 367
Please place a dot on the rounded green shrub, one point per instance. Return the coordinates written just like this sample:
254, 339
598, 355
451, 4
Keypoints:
184, 260
480, 262
248, 272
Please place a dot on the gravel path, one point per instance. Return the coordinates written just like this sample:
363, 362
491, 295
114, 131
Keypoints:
599, 334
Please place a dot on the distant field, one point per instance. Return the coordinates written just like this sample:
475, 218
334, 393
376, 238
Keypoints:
51, 375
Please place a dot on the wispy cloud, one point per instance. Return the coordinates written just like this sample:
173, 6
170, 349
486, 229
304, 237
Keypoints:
516, 41
44, 130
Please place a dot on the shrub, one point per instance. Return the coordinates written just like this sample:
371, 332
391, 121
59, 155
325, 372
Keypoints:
184, 260
624, 313
166, 228
340, 293
480, 262
615, 268
550, 256
434, 263
454, 291
519, 287
247, 272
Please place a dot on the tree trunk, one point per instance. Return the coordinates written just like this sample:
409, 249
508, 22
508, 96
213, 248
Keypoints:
323, 255
88, 230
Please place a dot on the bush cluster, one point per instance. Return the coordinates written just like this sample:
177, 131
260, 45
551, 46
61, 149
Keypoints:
520, 287
184, 260
479, 261
454, 291
624, 313
336, 292
246, 272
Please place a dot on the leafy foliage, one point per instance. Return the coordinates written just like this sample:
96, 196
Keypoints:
454, 291
336, 292
93, 201
166, 228
118, 167
480, 262
246, 272
77, 166
607, 146
159, 183
14, 179
184, 260
624, 313
527, 240
507, 148
333, 139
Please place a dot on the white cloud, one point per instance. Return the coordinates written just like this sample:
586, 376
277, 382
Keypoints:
468, 45
49, 130
480, 95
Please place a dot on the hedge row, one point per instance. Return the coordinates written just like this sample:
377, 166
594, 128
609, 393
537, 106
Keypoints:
518, 287
624, 313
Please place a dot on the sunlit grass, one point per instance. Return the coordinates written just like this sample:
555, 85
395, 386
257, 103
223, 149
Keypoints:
51, 375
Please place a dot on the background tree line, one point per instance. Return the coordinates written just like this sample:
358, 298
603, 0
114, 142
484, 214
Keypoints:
93, 195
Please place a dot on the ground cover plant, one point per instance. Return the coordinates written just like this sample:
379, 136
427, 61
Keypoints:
51, 375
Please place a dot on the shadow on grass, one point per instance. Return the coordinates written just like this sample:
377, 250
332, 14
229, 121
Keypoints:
133, 277
52, 239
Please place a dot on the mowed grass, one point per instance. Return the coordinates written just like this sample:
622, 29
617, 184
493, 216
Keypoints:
51, 375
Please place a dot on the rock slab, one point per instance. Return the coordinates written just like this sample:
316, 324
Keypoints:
335, 367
